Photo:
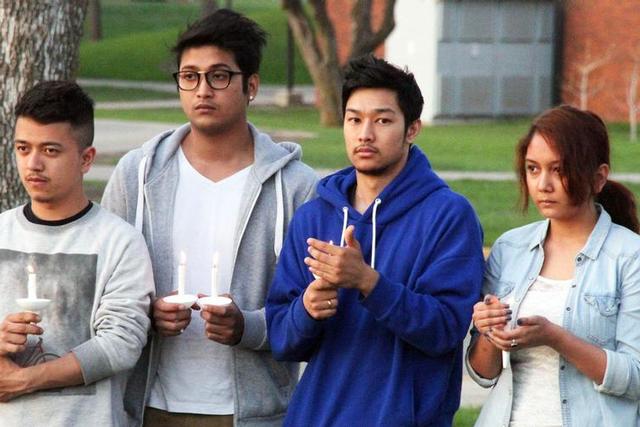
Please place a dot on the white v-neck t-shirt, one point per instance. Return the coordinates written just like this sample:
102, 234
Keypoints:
195, 373
536, 370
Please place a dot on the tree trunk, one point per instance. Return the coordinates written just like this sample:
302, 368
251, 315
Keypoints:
316, 39
208, 7
95, 20
40, 41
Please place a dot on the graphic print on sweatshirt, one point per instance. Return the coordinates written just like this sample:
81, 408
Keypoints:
68, 280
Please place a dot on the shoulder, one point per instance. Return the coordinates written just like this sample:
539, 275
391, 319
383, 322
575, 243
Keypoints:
297, 172
517, 240
622, 242
10, 216
114, 228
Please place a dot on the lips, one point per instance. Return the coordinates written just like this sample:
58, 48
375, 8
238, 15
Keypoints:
205, 107
36, 179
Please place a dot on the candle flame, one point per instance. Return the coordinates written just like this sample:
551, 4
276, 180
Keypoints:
216, 258
30, 269
183, 257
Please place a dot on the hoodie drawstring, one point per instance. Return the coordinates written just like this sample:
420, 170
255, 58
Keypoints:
373, 238
345, 213
345, 210
142, 169
279, 227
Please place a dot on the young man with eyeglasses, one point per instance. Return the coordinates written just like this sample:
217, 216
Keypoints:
215, 185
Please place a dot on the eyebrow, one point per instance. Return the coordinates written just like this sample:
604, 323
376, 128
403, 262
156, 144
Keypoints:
216, 66
533, 161
377, 110
44, 144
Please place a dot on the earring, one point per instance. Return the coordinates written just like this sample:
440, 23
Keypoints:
251, 97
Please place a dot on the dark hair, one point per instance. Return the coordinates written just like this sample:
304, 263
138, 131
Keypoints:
371, 72
582, 141
57, 101
230, 31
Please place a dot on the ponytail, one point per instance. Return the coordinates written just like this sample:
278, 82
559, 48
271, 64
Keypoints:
620, 203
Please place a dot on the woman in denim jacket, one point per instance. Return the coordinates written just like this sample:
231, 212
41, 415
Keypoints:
572, 281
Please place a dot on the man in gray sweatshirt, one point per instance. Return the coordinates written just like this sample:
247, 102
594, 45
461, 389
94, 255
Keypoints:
213, 199
76, 279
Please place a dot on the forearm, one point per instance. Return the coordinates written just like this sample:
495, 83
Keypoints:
589, 359
58, 373
485, 359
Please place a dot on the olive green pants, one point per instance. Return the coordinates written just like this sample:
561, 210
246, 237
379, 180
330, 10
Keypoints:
158, 418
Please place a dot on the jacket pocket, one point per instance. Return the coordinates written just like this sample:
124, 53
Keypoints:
602, 311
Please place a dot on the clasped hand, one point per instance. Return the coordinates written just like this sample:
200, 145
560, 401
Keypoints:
223, 324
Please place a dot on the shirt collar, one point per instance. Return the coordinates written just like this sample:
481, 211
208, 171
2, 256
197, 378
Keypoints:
596, 239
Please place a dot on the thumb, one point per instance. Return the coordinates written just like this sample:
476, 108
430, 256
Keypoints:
491, 299
350, 238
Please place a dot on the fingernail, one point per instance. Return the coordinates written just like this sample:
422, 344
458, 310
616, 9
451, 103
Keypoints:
519, 322
509, 311
38, 318
487, 299
508, 318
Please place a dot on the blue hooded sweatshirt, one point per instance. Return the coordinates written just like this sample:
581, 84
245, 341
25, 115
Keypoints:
393, 358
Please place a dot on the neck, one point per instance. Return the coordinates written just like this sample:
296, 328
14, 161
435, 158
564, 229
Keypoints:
219, 155
48, 211
367, 189
577, 229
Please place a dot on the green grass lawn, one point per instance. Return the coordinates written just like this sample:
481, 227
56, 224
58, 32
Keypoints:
486, 146
466, 417
111, 94
138, 37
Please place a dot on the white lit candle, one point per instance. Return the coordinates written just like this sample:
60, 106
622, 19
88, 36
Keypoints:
214, 274
31, 284
182, 270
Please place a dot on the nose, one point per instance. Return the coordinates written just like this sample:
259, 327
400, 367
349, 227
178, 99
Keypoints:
545, 183
34, 161
366, 132
203, 90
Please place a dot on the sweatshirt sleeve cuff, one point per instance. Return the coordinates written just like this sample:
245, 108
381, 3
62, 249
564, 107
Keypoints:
255, 330
304, 324
381, 297
613, 379
481, 381
94, 363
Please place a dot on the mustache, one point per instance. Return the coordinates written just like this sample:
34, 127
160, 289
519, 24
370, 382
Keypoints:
365, 147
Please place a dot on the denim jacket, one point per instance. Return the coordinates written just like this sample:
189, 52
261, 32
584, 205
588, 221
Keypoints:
602, 308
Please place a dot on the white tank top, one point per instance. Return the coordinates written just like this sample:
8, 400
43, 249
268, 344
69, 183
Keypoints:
536, 386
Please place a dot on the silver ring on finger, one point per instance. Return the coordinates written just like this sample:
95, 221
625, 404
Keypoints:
514, 343
329, 303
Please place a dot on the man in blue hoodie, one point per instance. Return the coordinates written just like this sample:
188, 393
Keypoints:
378, 275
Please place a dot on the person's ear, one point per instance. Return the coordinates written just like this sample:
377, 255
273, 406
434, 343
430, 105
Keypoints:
413, 131
87, 156
602, 174
253, 82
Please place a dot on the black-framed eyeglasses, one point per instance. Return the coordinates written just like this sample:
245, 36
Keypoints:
216, 79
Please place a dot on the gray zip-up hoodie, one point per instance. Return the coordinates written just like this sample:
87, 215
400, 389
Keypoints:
278, 183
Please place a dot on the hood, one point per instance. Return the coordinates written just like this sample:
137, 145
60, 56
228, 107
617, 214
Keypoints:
268, 157
413, 184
